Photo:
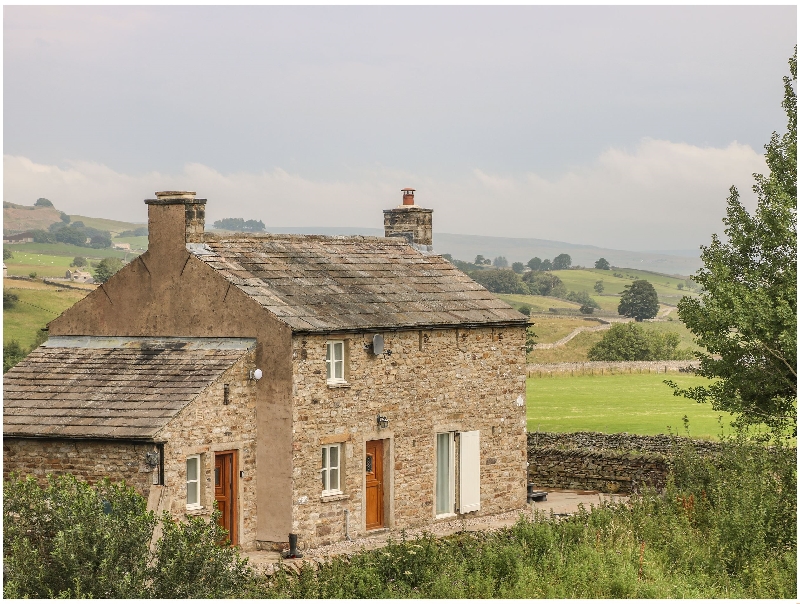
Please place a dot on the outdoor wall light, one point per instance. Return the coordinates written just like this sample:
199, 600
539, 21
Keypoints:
256, 374
383, 422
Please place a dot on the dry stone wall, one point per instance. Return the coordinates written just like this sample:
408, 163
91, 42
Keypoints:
90, 460
609, 463
433, 381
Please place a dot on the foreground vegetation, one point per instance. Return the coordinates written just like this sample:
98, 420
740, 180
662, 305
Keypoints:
724, 527
620, 402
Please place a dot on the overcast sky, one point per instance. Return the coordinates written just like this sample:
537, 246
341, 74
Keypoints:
620, 127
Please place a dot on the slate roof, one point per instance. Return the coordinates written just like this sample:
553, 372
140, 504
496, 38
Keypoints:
318, 283
83, 387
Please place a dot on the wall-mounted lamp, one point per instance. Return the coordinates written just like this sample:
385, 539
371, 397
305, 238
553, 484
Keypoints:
256, 374
151, 459
383, 422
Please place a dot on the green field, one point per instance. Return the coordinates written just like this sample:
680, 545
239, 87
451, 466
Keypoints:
584, 279
638, 404
53, 259
38, 304
538, 304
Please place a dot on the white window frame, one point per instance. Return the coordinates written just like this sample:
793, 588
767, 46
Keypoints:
451, 470
193, 505
325, 473
332, 362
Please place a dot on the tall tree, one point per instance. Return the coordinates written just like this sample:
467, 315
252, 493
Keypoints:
535, 263
746, 317
602, 264
561, 262
639, 300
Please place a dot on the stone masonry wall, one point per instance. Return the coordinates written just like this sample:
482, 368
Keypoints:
206, 426
90, 460
433, 381
609, 463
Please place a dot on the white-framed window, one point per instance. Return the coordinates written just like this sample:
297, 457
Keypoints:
193, 482
469, 473
331, 469
334, 362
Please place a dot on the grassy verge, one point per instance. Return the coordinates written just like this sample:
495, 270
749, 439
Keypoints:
635, 403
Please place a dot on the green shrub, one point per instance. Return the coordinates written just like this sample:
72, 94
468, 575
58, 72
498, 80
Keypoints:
632, 342
7, 254
9, 300
69, 539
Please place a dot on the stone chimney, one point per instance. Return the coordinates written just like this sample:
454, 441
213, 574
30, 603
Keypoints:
174, 219
413, 223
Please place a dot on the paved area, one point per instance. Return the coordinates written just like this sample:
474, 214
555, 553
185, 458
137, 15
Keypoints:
559, 502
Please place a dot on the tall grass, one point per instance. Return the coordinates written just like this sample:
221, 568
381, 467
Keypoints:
723, 528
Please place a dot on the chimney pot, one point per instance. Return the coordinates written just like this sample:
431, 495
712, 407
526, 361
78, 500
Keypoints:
408, 196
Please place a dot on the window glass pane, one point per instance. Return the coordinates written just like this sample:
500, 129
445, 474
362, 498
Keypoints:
334, 481
443, 505
324, 475
191, 493
338, 351
328, 362
335, 457
192, 468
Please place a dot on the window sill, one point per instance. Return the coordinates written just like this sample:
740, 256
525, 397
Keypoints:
338, 385
334, 497
446, 516
196, 511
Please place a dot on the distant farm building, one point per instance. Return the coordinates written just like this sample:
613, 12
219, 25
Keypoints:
79, 276
25, 237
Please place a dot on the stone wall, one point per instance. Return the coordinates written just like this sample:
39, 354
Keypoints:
90, 460
611, 367
433, 381
609, 463
206, 426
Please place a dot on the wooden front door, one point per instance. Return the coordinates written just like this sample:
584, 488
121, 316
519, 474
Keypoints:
374, 484
225, 490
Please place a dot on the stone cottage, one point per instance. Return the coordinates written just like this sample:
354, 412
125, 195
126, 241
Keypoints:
318, 386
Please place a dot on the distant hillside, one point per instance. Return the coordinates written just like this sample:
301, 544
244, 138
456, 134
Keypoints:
18, 218
466, 247
115, 227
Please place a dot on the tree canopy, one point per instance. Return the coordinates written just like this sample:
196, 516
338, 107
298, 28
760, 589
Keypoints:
43, 202
561, 262
602, 264
639, 300
106, 269
746, 315
535, 263
240, 225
